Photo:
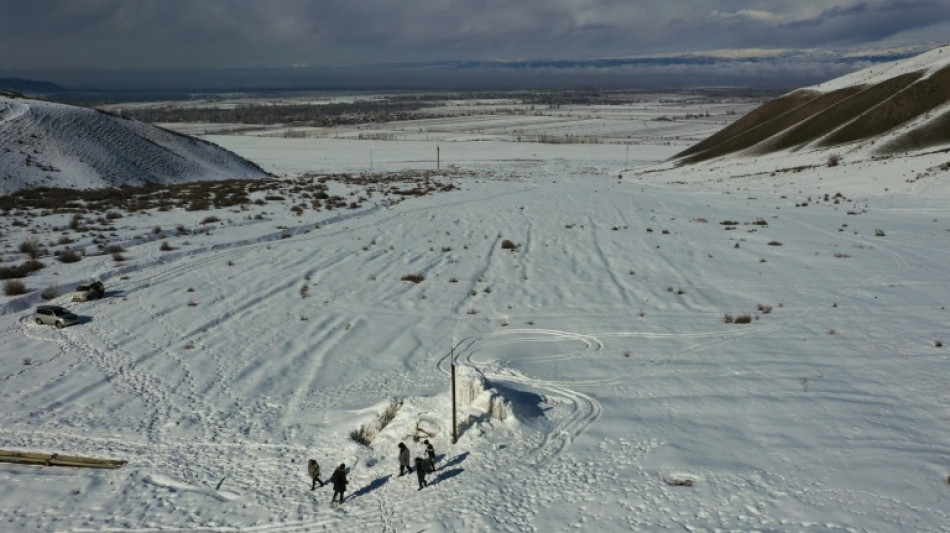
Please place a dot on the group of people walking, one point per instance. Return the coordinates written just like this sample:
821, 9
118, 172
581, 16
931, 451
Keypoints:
424, 464
338, 479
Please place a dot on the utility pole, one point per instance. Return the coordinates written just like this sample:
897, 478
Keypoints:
455, 426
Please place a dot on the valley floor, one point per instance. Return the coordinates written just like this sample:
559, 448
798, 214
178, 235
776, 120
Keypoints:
613, 328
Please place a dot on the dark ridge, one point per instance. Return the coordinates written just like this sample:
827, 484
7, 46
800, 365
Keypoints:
753, 118
828, 119
934, 133
902, 107
787, 111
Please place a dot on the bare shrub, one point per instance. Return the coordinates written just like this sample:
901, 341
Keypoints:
69, 256
27, 361
764, 309
879, 233
32, 248
774, 243
118, 257
938, 343
165, 247
508, 245
414, 278
741, 319
50, 292
304, 290
366, 433
14, 287
210, 219
833, 160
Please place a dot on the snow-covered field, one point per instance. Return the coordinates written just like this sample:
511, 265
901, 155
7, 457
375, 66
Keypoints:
216, 369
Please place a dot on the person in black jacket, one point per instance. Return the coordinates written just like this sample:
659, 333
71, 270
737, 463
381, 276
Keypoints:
421, 473
430, 455
339, 482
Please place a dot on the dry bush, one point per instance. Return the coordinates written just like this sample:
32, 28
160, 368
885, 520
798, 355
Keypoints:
50, 292
69, 256
833, 160
764, 309
14, 287
728, 318
774, 243
414, 278
32, 248
368, 432
165, 247
508, 245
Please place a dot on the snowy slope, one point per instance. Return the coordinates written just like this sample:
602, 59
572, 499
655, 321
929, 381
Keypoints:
887, 109
44, 144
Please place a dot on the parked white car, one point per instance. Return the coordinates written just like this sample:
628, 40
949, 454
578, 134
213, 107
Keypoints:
89, 291
55, 315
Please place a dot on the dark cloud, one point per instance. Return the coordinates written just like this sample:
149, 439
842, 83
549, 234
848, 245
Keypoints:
87, 35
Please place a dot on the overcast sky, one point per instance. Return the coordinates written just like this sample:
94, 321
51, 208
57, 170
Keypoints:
52, 35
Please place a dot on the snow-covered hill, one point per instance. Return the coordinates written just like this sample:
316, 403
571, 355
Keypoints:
44, 144
887, 109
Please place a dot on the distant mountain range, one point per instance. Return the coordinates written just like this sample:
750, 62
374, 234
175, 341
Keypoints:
29, 87
896, 107
44, 144
749, 68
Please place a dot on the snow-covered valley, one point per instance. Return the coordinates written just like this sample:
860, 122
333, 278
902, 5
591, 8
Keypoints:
610, 327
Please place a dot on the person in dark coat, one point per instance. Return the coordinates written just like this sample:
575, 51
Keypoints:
430, 456
421, 473
313, 468
404, 463
339, 482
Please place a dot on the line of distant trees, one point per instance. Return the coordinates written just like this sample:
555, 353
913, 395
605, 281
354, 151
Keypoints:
319, 115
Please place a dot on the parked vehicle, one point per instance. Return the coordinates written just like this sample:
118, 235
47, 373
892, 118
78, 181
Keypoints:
89, 291
55, 315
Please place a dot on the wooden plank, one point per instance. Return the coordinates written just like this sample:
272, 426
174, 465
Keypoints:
55, 459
